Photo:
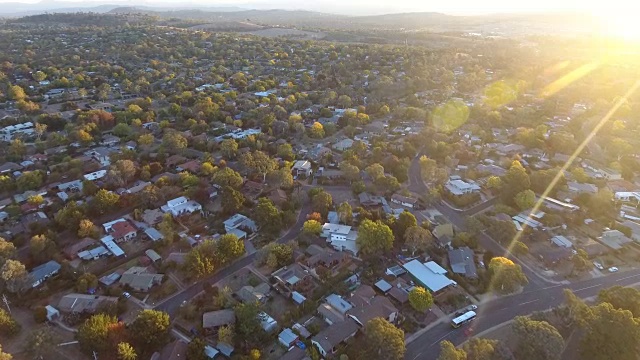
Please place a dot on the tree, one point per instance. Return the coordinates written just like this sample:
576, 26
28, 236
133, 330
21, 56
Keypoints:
226, 334
8, 326
40, 314
232, 200
281, 178
382, 340
229, 148
85, 282
258, 162
94, 334
199, 262
449, 352
87, 229
150, 329
39, 76
167, 228
7, 250
418, 238
16, 93
374, 238
581, 261
520, 248
350, 172
41, 247
428, 168
122, 130
227, 177
104, 201
248, 329
420, 299
195, 349
146, 139
268, 216
376, 171
507, 277
229, 248
312, 227
624, 298
494, 183
69, 216
404, 222
486, 349
345, 213
4, 355
39, 343
126, 352
515, 181
14, 274
321, 203
316, 131
525, 199
174, 141
536, 340
30, 180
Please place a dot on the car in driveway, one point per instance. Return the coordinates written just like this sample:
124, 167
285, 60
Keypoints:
465, 310
613, 269
598, 265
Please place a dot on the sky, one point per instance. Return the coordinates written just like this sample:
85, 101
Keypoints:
360, 7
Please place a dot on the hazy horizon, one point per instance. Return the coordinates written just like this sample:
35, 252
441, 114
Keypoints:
373, 7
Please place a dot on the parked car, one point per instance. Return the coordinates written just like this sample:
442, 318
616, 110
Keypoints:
613, 269
126, 295
598, 265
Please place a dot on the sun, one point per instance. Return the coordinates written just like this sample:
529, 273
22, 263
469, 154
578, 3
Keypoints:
624, 25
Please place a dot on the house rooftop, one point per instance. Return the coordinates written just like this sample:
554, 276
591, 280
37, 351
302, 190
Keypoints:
213, 319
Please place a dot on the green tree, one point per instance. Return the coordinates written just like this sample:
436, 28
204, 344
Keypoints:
248, 328
525, 199
226, 334
229, 148
39, 76
268, 216
312, 227
345, 213
16, 93
227, 177
229, 248
382, 340
146, 139
404, 222
14, 275
515, 181
198, 263
494, 183
374, 238
316, 131
376, 171
4, 355
94, 334
536, 340
418, 238
449, 352
486, 349
232, 200
174, 141
122, 130
9, 327
258, 162
85, 282
321, 203
30, 180
150, 329
40, 314
69, 216
420, 299
87, 229
126, 352
195, 349
520, 249
7, 250
507, 277
39, 343
104, 201
623, 298
350, 172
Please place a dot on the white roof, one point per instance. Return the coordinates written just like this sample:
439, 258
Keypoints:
210, 351
297, 297
336, 228
177, 201
338, 303
112, 246
267, 322
302, 164
562, 241
427, 277
107, 226
435, 268
96, 175
383, 285
287, 336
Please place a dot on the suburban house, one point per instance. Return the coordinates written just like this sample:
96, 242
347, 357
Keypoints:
614, 239
553, 256
327, 340
443, 234
123, 231
254, 294
96, 175
609, 174
562, 241
581, 188
367, 305
152, 217
404, 201
458, 187
287, 338
111, 245
139, 279
83, 303
293, 277
341, 237
430, 275
462, 262
635, 229
213, 320
324, 257
343, 144
42, 272
180, 206
239, 221
334, 309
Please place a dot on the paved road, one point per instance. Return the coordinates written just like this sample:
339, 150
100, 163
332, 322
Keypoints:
172, 304
427, 346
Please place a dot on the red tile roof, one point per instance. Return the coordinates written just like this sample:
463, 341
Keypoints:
120, 229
